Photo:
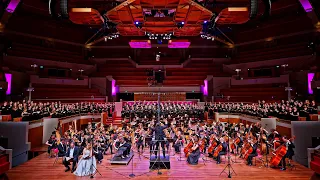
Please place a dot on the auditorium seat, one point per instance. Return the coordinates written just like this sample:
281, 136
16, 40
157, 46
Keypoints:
193, 74
163, 61
315, 162
253, 93
275, 52
31, 51
53, 91
4, 164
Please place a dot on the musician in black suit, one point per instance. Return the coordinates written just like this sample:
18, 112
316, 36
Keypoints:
123, 147
223, 151
253, 153
62, 149
159, 137
290, 152
72, 155
240, 144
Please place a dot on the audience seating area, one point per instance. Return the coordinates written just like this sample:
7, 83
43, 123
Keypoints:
128, 75
53, 91
163, 61
275, 52
4, 164
31, 51
255, 92
315, 162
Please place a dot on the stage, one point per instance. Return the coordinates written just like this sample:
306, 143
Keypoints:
41, 167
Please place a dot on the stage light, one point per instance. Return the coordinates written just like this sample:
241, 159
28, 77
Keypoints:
181, 24
138, 24
205, 22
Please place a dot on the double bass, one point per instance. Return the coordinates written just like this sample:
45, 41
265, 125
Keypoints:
279, 153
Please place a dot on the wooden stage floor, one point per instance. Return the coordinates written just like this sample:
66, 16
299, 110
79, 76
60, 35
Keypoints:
42, 167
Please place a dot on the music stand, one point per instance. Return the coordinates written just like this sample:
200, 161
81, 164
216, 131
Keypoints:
92, 174
228, 166
158, 158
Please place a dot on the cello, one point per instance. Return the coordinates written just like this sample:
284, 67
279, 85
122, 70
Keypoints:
235, 143
202, 144
249, 151
188, 149
279, 153
217, 150
213, 144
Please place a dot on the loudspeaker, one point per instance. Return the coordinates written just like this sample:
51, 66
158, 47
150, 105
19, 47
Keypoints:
315, 142
267, 8
159, 76
4, 142
52, 7
253, 9
64, 8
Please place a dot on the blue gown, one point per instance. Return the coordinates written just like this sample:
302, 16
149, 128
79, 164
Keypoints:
193, 158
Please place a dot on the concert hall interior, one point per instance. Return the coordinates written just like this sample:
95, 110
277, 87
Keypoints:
159, 89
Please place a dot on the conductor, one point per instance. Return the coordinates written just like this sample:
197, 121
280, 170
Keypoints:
159, 137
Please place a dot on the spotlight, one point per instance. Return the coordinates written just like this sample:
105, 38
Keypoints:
181, 24
138, 24
205, 22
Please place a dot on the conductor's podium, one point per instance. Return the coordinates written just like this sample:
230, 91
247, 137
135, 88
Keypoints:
121, 161
159, 162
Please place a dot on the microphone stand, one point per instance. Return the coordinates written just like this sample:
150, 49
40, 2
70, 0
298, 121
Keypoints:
92, 166
228, 166
132, 175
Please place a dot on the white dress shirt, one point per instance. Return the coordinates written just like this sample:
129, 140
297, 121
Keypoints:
71, 153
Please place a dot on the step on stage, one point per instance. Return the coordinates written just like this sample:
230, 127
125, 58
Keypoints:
162, 162
119, 161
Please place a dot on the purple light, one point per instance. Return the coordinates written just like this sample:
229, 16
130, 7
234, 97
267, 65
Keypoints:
140, 44
113, 88
310, 78
12, 6
9, 80
180, 44
205, 22
205, 88
306, 5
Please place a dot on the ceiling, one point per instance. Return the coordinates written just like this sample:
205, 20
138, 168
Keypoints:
31, 18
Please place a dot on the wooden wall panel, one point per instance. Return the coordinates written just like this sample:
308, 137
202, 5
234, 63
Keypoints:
35, 136
163, 96
231, 120
284, 131
104, 118
78, 125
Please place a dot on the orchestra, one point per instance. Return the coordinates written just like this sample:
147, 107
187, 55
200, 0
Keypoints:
185, 133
